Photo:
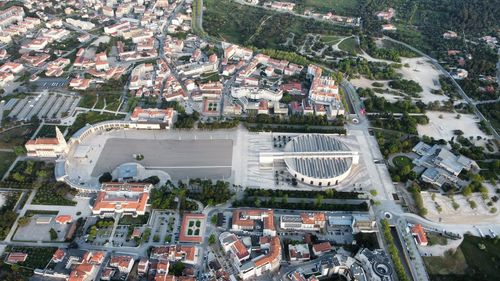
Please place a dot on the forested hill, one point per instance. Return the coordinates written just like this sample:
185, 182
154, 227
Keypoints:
478, 16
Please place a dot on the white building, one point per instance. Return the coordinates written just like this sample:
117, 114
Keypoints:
47, 147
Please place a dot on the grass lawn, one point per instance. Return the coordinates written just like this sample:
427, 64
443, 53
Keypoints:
349, 45
6, 159
87, 100
401, 161
331, 39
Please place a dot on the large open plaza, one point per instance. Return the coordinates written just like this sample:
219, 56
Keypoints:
248, 159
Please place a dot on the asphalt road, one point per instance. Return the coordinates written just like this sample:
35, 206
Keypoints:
180, 158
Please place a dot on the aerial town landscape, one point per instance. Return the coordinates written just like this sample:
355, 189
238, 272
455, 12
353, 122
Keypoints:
296, 140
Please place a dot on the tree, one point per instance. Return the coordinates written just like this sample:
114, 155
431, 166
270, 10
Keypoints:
318, 200
23, 221
467, 191
106, 177
19, 150
53, 234
41, 174
472, 204
211, 239
285, 199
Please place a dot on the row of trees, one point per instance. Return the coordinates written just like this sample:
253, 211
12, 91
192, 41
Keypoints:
219, 125
282, 203
295, 119
417, 197
329, 193
393, 251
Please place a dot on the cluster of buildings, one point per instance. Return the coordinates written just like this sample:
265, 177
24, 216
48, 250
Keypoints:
8, 71
153, 118
14, 23
441, 166
253, 243
79, 265
325, 92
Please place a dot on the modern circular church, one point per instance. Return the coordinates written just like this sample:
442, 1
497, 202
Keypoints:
316, 159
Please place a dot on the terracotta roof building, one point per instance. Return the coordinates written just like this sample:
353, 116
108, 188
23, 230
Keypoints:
418, 233
192, 228
244, 219
173, 253
47, 147
16, 257
122, 263
130, 198
310, 221
321, 248
264, 263
153, 118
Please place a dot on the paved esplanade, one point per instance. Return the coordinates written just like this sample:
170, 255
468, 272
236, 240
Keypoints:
179, 158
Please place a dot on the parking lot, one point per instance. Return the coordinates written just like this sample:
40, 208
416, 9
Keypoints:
50, 83
165, 228
49, 106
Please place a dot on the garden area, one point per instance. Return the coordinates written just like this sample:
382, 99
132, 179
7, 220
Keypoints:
57, 193
28, 174
38, 257
7, 214
17, 136
102, 228
402, 161
134, 221
6, 159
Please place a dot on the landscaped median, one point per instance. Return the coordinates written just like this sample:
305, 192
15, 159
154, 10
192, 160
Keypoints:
393, 251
